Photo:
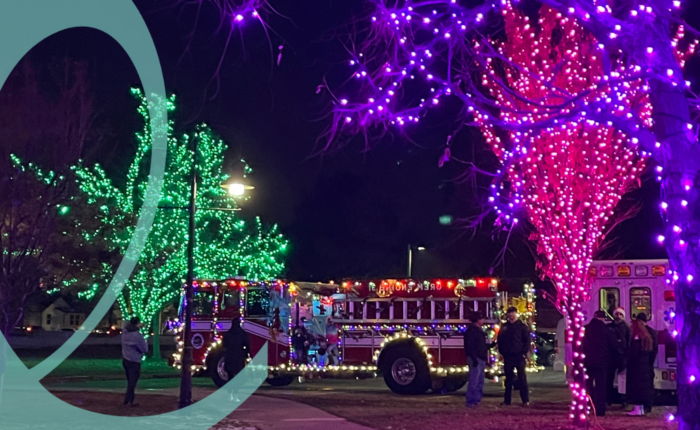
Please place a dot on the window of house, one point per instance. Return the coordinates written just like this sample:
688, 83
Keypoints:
640, 302
77, 320
609, 300
71, 319
48, 319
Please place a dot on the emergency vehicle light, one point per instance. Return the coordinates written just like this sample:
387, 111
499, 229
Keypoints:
624, 271
641, 270
658, 270
669, 296
606, 271
483, 282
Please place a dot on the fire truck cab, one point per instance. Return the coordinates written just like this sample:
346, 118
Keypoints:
638, 286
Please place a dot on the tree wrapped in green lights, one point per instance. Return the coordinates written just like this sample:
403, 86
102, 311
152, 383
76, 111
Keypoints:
225, 245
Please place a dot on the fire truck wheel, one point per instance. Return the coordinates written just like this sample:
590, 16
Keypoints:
280, 381
405, 370
217, 368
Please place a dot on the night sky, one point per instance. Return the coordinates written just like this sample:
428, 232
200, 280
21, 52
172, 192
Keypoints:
348, 213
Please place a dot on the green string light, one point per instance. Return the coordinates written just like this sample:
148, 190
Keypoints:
226, 245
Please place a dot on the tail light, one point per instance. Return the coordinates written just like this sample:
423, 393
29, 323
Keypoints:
664, 375
672, 375
671, 347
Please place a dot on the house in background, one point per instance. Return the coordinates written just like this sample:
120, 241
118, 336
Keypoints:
64, 312
60, 315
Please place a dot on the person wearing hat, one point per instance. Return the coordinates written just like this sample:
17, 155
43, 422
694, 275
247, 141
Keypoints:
618, 360
599, 345
514, 341
641, 355
476, 350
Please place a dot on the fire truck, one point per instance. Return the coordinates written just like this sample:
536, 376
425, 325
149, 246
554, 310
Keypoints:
637, 286
410, 331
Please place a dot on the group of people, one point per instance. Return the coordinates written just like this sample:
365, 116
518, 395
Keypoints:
610, 350
134, 347
513, 344
614, 350
303, 339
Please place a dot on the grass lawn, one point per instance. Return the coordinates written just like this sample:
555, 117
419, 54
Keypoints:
103, 368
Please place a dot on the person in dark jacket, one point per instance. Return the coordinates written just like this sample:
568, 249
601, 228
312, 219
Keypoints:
300, 343
237, 345
641, 355
134, 346
475, 348
599, 345
514, 340
618, 361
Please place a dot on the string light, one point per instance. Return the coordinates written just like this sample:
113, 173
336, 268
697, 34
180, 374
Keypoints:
566, 161
226, 245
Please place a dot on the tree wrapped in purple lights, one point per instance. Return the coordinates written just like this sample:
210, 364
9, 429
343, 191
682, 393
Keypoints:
624, 89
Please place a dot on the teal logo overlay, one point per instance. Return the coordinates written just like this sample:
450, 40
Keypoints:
24, 402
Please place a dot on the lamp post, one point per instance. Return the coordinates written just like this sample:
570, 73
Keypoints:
410, 259
234, 189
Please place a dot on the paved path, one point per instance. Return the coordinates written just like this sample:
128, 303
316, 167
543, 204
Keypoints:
268, 413
258, 412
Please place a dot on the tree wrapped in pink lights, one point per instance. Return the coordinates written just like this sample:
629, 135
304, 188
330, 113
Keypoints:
569, 176
571, 105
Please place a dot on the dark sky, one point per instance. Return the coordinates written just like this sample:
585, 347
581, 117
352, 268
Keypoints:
350, 213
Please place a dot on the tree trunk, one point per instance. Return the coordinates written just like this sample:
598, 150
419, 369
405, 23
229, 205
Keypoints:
578, 410
679, 156
156, 336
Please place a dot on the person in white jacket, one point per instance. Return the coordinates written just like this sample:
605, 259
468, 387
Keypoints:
134, 346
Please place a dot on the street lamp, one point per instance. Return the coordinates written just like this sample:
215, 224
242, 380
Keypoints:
410, 258
235, 189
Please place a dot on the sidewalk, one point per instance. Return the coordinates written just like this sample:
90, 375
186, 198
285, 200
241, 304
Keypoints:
261, 412
267, 413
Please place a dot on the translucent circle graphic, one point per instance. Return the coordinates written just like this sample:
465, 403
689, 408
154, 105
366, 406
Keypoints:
24, 402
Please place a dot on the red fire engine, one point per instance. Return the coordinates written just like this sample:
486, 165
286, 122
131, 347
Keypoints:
408, 330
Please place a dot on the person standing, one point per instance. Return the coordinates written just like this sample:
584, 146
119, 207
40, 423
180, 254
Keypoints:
599, 345
300, 343
134, 346
618, 361
514, 341
237, 345
475, 348
640, 366
332, 338
237, 351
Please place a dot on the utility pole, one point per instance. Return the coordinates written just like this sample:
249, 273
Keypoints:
187, 360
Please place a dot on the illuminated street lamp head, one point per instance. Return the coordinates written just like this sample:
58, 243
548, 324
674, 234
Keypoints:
237, 189
421, 248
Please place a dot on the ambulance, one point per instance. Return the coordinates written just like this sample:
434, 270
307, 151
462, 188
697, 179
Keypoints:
637, 286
